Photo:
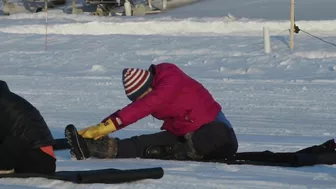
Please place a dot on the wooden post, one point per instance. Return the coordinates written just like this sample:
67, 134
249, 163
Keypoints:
150, 4
5, 8
164, 4
46, 6
128, 8
292, 17
73, 6
267, 40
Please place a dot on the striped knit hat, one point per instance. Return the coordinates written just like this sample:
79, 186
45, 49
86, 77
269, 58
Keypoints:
136, 82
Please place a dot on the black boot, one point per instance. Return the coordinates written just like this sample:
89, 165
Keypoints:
83, 148
78, 147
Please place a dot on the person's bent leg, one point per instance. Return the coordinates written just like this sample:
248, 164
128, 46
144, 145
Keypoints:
214, 140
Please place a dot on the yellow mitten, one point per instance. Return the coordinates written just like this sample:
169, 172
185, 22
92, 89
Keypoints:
98, 130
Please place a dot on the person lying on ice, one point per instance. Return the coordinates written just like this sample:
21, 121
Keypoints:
194, 125
25, 139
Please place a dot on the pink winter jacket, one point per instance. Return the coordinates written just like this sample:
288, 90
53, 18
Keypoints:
180, 101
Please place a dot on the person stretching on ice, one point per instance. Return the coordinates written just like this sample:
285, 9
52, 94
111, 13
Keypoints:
25, 139
194, 125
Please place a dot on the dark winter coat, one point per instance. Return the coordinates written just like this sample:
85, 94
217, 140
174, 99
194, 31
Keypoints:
21, 119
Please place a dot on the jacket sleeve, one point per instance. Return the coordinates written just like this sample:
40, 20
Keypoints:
163, 92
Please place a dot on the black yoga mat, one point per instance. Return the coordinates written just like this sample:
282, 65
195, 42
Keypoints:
107, 176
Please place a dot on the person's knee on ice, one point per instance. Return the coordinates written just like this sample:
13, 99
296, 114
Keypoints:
215, 140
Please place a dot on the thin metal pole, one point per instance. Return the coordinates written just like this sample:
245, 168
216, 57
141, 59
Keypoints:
292, 17
46, 24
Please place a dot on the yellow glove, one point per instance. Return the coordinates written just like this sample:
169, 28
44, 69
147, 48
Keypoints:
99, 130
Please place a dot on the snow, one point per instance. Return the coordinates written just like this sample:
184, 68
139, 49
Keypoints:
281, 101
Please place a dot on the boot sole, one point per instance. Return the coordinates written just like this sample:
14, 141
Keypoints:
76, 142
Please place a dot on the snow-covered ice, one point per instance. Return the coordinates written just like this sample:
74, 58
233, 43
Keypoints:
281, 101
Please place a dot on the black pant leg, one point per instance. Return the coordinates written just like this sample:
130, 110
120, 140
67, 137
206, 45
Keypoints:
17, 153
215, 140
137, 145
